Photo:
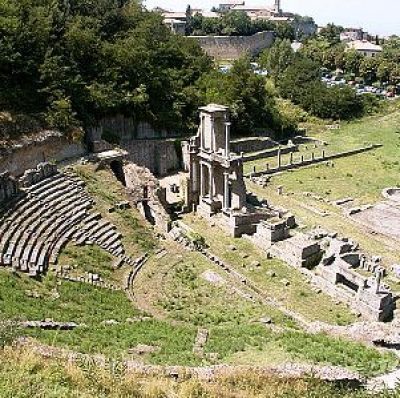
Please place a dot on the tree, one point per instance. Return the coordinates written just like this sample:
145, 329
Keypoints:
245, 92
352, 61
72, 62
277, 58
189, 23
297, 77
369, 69
331, 33
236, 23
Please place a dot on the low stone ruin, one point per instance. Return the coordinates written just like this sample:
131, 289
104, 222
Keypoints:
147, 195
33, 176
50, 213
8, 187
349, 275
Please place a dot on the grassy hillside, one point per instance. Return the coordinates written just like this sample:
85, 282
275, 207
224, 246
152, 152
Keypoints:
25, 375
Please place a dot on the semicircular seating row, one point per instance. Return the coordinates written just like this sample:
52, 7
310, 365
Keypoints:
36, 226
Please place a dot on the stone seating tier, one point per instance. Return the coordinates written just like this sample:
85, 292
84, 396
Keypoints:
37, 225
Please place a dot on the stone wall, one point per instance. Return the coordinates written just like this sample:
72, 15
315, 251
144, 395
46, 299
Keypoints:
252, 144
234, 47
46, 146
159, 156
146, 193
126, 129
33, 176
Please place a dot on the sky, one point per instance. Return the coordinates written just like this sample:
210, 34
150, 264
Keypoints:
375, 16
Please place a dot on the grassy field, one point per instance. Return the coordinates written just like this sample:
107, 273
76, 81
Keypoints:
174, 287
361, 176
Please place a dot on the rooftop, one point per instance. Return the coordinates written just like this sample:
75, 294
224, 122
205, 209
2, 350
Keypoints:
211, 108
364, 45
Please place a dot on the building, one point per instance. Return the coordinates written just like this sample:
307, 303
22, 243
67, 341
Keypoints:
227, 5
352, 34
177, 26
365, 48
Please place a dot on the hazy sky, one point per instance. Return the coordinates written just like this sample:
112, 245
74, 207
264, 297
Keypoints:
376, 16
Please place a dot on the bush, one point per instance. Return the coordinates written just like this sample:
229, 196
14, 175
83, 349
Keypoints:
9, 331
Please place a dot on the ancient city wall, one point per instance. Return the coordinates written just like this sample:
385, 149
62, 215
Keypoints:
234, 47
46, 146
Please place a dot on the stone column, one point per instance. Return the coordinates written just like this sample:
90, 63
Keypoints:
202, 183
212, 119
202, 127
194, 176
211, 174
378, 278
279, 158
226, 190
227, 138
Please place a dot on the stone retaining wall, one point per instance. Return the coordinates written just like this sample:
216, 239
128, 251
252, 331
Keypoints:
252, 144
127, 129
234, 47
43, 147
269, 153
161, 157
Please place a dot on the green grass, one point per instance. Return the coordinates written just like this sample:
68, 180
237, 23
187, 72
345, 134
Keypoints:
175, 287
88, 259
361, 176
69, 301
297, 296
320, 348
299, 346
174, 341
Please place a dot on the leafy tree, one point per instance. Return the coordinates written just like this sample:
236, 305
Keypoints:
331, 33
73, 62
369, 69
245, 92
302, 72
352, 61
236, 23
277, 58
